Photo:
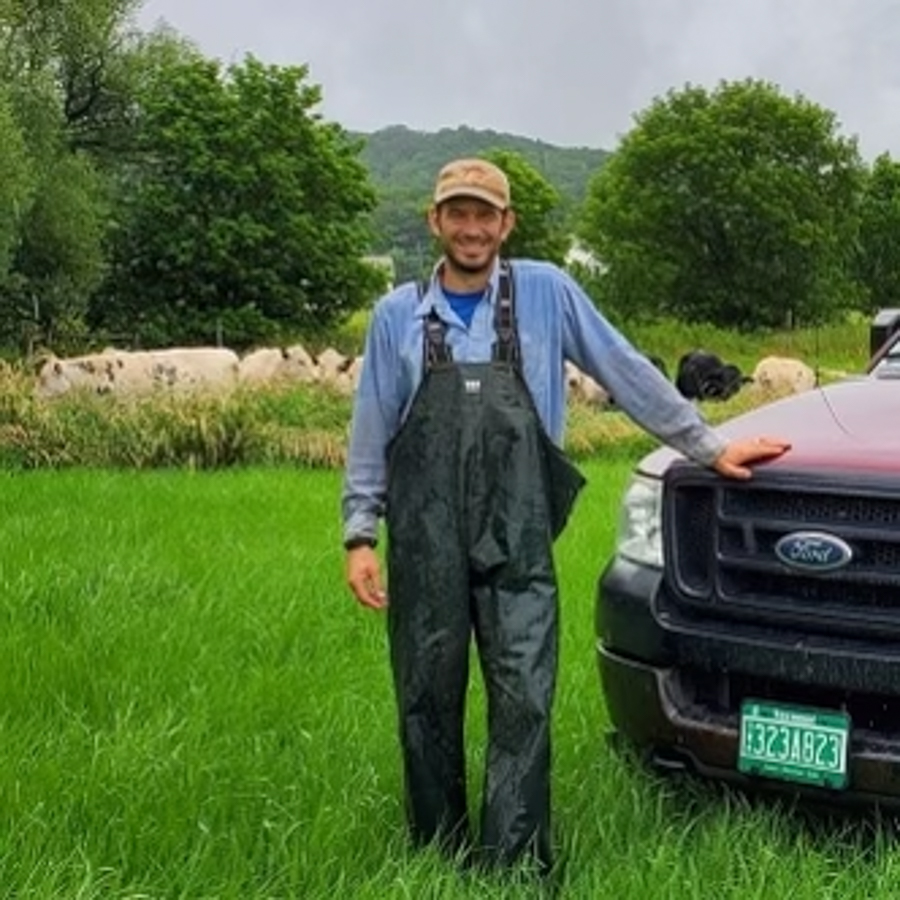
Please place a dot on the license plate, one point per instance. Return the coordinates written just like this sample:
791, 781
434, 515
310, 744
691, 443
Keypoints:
793, 743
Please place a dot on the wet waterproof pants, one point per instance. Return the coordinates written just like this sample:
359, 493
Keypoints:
476, 494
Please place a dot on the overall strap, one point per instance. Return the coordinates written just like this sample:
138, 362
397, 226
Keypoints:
435, 349
506, 348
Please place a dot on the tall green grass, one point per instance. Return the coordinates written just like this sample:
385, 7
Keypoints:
192, 706
277, 424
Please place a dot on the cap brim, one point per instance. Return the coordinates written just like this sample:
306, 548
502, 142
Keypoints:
473, 193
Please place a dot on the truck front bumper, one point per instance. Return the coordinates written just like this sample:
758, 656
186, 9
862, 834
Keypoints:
646, 707
673, 687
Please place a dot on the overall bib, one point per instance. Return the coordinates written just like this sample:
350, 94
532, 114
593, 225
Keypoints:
477, 493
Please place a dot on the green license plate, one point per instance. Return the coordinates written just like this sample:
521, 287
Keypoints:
793, 743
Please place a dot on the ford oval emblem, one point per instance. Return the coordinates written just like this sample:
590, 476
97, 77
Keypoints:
813, 551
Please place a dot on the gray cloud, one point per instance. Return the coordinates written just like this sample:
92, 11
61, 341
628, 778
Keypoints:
571, 72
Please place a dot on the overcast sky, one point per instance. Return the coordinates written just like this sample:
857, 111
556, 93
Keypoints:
570, 72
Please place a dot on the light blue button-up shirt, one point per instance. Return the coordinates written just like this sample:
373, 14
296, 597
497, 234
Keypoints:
556, 321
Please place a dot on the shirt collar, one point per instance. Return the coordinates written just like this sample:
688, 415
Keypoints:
434, 299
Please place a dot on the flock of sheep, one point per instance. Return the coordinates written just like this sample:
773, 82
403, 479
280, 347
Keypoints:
701, 375
140, 372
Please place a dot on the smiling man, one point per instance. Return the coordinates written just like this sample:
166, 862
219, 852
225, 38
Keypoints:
456, 441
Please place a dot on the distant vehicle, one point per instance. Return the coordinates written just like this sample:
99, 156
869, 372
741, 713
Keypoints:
750, 631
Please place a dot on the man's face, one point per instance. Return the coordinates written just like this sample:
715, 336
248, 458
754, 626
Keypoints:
471, 232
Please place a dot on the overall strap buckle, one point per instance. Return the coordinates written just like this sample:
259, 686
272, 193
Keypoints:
436, 351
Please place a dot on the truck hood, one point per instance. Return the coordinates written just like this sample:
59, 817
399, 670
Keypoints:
852, 425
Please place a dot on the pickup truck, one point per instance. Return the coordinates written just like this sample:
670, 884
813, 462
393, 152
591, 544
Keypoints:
750, 631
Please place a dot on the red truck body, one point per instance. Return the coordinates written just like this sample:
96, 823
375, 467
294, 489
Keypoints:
750, 631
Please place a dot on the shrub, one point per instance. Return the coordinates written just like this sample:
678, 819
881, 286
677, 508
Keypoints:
251, 426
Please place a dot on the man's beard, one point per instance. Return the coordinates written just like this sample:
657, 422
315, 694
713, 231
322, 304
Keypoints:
466, 267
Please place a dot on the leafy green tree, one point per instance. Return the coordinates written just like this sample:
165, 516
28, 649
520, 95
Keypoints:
82, 50
15, 185
60, 259
58, 250
246, 218
539, 232
69, 75
399, 228
737, 206
879, 235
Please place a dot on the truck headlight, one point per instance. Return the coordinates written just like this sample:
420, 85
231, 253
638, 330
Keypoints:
640, 522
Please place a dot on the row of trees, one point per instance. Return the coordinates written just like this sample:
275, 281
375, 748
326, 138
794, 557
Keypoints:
737, 206
154, 196
150, 195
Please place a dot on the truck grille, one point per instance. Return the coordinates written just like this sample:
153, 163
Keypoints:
721, 561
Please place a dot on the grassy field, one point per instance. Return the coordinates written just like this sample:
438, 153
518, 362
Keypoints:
193, 707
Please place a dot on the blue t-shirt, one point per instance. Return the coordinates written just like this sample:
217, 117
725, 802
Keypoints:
464, 304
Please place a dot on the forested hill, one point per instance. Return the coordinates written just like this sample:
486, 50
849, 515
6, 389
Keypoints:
401, 160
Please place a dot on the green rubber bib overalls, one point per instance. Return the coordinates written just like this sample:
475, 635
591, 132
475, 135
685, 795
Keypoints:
477, 492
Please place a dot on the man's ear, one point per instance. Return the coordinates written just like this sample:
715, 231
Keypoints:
509, 222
